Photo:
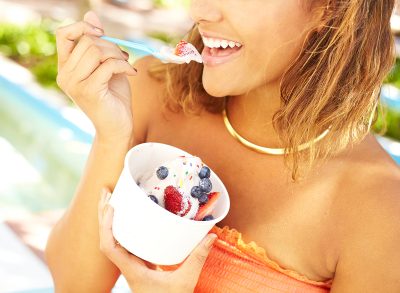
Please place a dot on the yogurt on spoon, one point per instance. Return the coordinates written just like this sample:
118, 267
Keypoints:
184, 52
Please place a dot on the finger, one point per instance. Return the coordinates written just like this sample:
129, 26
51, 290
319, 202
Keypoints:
91, 59
106, 44
107, 241
105, 50
110, 67
67, 35
104, 198
93, 19
84, 43
125, 261
193, 265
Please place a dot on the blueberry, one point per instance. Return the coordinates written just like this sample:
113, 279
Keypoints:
203, 198
205, 185
196, 192
204, 172
162, 173
153, 198
208, 218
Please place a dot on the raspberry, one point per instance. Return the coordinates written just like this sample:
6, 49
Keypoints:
188, 209
173, 200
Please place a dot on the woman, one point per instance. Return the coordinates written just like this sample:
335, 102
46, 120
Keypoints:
312, 187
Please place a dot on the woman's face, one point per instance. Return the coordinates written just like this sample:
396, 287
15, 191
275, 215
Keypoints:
266, 36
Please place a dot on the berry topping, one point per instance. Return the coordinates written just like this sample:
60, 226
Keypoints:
162, 173
196, 192
208, 218
172, 199
203, 198
181, 48
153, 198
205, 185
207, 208
204, 172
187, 210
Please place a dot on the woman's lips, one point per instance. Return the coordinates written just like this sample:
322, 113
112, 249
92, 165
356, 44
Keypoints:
212, 57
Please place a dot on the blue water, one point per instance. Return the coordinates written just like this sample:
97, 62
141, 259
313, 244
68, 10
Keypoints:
53, 146
37, 131
390, 97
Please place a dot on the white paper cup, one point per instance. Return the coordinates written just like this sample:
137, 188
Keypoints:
146, 229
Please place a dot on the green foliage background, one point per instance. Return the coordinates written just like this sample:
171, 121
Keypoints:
34, 47
171, 3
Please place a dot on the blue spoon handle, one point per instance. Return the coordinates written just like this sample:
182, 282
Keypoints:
130, 44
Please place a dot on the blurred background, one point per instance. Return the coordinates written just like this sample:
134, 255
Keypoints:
44, 139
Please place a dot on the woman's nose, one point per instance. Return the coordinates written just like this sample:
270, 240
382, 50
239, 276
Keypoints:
205, 11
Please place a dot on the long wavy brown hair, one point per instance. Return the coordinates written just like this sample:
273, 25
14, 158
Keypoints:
333, 83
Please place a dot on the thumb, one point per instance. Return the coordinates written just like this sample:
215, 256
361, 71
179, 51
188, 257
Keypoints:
93, 19
194, 263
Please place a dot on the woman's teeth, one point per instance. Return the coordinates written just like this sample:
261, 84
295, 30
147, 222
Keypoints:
219, 43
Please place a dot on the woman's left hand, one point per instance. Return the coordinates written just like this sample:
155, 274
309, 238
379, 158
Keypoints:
140, 278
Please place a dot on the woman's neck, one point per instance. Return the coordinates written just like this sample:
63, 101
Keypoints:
251, 115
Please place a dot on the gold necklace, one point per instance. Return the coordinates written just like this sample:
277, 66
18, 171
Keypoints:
265, 150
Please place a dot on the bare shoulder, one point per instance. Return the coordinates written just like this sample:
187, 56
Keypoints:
376, 173
146, 97
370, 179
367, 221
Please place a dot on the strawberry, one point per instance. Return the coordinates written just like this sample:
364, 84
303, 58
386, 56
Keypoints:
184, 48
180, 49
207, 208
188, 51
172, 199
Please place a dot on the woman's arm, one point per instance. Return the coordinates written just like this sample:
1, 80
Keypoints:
72, 252
369, 259
93, 73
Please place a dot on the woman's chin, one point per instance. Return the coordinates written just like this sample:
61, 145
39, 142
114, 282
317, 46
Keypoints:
215, 90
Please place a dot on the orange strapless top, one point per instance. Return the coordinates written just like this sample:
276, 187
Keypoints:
235, 266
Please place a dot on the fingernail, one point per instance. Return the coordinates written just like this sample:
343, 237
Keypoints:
210, 240
126, 54
98, 30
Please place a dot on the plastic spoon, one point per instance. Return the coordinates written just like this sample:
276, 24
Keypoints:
165, 54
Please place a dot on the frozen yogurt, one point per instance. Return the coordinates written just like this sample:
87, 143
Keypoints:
182, 186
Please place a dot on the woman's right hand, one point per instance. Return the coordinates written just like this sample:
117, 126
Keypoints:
93, 73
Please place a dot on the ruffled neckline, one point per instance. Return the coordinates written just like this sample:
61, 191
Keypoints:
251, 249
